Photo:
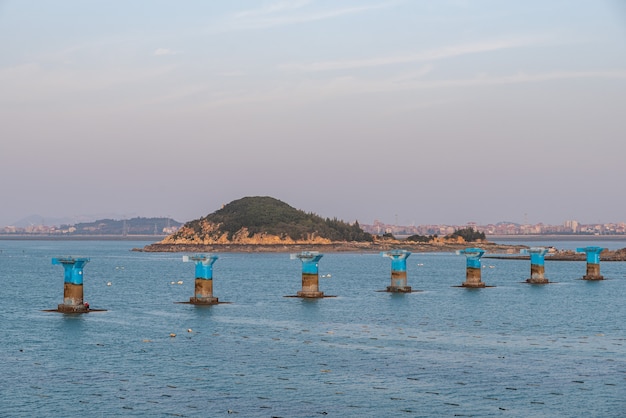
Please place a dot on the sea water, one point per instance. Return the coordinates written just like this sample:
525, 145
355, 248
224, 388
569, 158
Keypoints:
510, 350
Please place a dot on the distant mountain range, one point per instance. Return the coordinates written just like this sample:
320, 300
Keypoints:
121, 227
133, 226
36, 219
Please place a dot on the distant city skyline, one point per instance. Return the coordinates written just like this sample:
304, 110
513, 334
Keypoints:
502, 228
394, 219
37, 220
165, 226
450, 111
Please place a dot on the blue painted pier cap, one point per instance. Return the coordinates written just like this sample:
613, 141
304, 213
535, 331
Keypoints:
593, 254
537, 254
309, 261
204, 265
398, 259
473, 256
73, 268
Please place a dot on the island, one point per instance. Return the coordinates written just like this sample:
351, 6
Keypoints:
266, 224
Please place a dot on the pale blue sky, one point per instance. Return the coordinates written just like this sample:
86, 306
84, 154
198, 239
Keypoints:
396, 110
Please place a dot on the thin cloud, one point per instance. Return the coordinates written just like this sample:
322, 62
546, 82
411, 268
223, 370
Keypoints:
346, 86
35, 83
522, 77
274, 14
421, 72
432, 55
273, 8
391, 85
164, 51
238, 73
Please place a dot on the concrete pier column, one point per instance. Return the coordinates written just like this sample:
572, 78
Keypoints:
203, 293
398, 271
473, 269
73, 284
593, 262
310, 275
537, 268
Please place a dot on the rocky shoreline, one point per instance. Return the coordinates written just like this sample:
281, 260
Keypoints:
336, 247
492, 250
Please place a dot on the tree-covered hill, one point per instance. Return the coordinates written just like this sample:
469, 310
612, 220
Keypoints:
261, 216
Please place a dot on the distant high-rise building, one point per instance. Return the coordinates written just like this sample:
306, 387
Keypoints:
571, 225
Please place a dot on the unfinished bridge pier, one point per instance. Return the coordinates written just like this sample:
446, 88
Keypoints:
398, 271
537, 267
73, 284
310, 274
593, 262
473, 267
203, 288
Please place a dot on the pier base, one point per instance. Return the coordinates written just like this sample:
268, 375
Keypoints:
473, 278
302, 294
537, 281
203, 301
397, 289
310, 286
593, 272
72, 295
399, 282
203, 293
81, 308
537, 275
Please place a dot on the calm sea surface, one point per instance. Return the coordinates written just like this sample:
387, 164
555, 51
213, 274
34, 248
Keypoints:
511, 350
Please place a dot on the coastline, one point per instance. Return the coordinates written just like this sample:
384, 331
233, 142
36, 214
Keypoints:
338, 247
36, 237
507, 250
490, 238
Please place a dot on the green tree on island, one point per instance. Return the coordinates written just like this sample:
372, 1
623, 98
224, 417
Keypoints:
264, 214
469, 234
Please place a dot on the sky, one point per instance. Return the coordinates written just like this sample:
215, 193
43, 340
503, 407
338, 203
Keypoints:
402, 111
